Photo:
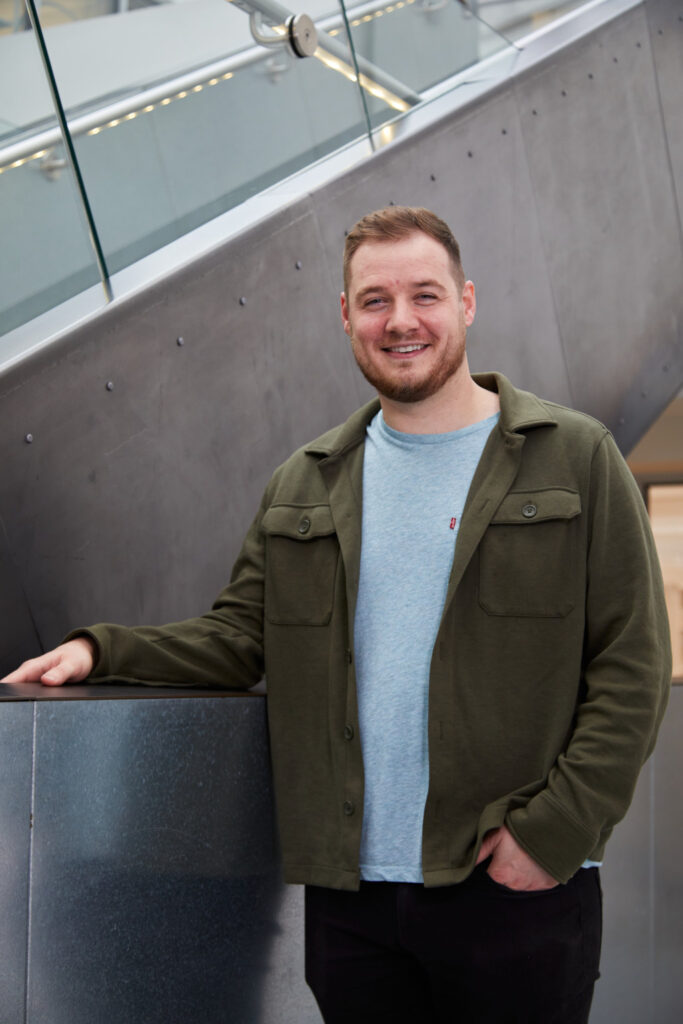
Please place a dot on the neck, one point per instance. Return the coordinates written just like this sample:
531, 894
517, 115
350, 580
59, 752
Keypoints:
459, 403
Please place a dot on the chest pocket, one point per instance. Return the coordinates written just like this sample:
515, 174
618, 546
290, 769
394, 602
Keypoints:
302, 553
528, 555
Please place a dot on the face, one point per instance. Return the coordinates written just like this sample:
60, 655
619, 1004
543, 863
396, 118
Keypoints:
406, 317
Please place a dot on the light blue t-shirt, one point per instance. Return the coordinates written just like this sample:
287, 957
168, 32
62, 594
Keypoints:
414, 491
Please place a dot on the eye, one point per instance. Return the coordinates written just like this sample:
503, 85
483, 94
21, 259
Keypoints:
425, 297
373, 302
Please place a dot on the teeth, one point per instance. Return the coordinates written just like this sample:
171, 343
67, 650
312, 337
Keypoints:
406, 348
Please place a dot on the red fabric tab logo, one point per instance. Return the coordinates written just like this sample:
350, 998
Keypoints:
453, 522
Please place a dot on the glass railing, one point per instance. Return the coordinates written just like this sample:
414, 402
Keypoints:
125, 124
46, 253
420, 42
518, 18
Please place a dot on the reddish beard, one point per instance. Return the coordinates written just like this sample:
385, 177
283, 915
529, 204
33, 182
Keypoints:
392, 386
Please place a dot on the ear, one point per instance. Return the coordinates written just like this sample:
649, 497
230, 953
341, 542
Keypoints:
345, 314
469, 302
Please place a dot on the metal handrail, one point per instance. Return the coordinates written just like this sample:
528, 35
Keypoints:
134, 103
38, 144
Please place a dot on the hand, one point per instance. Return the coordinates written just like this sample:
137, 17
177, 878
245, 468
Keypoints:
511, 865
72, 661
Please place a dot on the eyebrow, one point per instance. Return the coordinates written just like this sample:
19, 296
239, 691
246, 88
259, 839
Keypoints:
416, 286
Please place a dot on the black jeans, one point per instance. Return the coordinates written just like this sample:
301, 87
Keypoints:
473, 953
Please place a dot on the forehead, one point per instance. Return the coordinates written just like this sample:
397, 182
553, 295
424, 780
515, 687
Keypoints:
410, 260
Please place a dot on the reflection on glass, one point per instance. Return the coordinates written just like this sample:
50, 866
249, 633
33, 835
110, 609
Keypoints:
46, 256
665, 503
177, 113
517, 18
180, 110
420, 43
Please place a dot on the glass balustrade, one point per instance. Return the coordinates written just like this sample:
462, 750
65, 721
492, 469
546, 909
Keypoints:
420, 42
46, 254
179, 111
518, 18
177, 114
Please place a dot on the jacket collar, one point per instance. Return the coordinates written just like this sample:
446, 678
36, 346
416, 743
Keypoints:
519, 411
347, 435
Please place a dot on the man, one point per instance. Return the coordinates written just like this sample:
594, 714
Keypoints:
458, 607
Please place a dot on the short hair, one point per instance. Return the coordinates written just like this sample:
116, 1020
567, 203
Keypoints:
396, 222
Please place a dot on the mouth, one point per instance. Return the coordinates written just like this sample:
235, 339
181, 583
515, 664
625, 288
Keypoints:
404, 350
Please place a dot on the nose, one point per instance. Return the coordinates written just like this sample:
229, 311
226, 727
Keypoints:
402, 317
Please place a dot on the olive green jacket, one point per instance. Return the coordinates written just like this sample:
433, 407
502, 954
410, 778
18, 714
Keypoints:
549, 674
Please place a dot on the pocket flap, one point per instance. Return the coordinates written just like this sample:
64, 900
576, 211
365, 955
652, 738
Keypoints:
299, 522
521, 507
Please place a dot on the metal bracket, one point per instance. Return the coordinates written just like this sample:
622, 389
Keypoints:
303, 36
52, 165
279, 64
300, 34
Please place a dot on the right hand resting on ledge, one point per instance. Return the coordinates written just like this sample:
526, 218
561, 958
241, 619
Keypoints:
72, 661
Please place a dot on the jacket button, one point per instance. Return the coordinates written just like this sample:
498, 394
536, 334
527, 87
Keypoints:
304, 525
348, 732
529, 511
348, 807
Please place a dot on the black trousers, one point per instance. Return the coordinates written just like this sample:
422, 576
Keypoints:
473, 953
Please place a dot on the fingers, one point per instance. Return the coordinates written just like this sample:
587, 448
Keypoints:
60, 674
512, 866
31, 671
72, 661
489, 844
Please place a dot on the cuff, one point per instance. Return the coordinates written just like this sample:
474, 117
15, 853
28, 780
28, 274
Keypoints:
559, 843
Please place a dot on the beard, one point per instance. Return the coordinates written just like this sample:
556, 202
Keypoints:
392, 386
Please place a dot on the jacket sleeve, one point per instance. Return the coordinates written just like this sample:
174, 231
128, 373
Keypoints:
625, 684
223, 648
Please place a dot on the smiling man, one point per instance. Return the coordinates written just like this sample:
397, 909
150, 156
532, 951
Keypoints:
457, 603
407, 313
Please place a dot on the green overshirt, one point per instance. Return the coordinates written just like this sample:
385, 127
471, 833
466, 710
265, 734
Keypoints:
549, 674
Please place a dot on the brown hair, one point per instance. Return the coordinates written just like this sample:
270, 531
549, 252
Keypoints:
395, 222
